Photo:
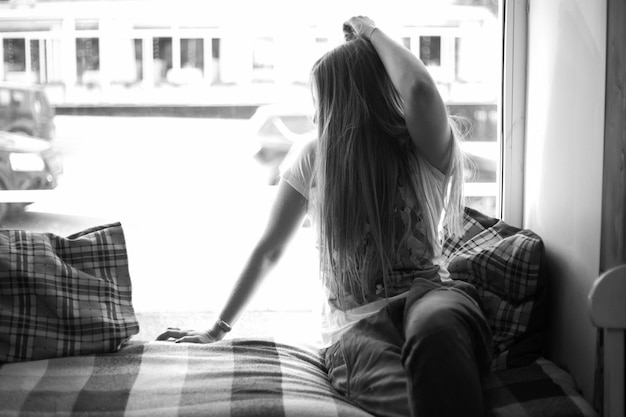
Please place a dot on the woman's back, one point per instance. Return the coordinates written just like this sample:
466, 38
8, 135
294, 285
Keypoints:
413, 252
378, 201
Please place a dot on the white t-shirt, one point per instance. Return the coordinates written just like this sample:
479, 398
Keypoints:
413, 261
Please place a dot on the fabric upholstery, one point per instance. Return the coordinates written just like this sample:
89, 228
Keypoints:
63, 296
541, 389
238, 377
242, 377
506, 265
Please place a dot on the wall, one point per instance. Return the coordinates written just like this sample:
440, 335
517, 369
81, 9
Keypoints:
613, 251
564, 160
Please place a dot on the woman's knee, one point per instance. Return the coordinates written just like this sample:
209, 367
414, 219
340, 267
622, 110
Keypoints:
444, 323
434, 313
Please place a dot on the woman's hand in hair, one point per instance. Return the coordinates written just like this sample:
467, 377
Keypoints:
358, 26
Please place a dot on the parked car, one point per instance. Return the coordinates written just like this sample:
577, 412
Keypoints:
27, 163
276, 128
26, 109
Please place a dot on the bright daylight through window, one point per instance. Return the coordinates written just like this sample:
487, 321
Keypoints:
173, 117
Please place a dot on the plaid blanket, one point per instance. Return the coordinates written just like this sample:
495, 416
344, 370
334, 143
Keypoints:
63, 296
238, 377
540, 389
228, 378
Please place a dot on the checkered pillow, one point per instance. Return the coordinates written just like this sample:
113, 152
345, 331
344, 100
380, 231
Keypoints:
504, 263
62, 296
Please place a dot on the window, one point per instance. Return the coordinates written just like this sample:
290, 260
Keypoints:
138, 55
215, 61
35, 63
192, 54
88, 61
14, 55
161, 58
154, 122
430, 50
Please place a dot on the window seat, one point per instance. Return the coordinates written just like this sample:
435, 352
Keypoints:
81, 359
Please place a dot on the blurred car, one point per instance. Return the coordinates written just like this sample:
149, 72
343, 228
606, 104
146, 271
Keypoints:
277, 128
27, 163
26, 109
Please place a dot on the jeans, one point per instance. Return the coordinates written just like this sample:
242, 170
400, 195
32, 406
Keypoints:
423, 355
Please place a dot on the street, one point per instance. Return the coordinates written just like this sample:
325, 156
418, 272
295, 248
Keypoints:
192, 202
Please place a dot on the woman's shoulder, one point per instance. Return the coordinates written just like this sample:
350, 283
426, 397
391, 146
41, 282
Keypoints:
302, 153
309, 148
297, 168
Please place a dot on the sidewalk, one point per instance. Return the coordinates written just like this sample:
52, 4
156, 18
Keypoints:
158, 110
194, 100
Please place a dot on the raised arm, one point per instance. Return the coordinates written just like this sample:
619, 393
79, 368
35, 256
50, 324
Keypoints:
425, 112
285, 219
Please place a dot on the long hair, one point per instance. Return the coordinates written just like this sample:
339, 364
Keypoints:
364, 151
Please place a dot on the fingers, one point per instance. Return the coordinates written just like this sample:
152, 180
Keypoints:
172, 333
348, 32
189, 339
357, 26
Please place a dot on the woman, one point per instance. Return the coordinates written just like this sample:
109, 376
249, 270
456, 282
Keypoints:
399, 338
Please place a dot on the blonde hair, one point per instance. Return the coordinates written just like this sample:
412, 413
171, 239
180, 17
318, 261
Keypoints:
363, 151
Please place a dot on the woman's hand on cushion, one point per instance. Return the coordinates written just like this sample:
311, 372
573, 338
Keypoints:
174, 334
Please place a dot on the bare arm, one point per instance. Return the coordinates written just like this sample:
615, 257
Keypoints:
425, 112
285, 219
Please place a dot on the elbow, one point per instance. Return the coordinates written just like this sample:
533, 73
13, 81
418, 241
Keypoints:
268, 254
422, 90
272, 257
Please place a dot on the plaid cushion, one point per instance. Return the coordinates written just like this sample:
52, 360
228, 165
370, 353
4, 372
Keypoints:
541, 389
504, 263
62, 296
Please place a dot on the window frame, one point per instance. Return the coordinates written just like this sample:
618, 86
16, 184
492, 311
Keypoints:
513, 111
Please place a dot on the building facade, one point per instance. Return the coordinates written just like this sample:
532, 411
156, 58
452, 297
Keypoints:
133, 51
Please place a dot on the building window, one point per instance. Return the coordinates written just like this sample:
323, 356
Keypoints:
35, 62
88, 61
215, 76
161, 59
14, 55
138, 45
192, 59
430, 50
